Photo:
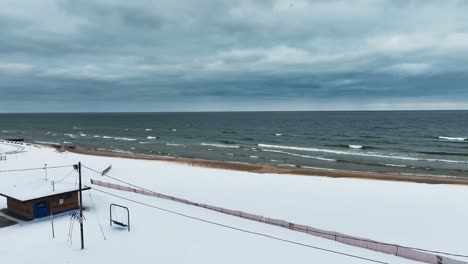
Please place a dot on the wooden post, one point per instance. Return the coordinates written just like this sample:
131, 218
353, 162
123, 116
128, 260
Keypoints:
45, 169
81, 207
52, 222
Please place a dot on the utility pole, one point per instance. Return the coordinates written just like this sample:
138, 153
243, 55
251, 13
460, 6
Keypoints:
45, 169
81, 208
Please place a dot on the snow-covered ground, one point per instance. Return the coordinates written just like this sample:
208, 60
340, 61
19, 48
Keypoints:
418, 215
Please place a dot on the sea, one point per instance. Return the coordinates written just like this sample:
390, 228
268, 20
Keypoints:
404, 142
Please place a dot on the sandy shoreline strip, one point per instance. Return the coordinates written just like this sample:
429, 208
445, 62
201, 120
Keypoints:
264, 168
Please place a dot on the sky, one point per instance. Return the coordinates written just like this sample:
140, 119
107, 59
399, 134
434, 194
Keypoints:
260, 55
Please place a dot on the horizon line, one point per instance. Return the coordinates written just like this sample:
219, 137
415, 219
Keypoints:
234, 111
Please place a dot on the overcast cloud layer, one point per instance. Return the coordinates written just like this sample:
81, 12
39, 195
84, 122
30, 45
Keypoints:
109, 55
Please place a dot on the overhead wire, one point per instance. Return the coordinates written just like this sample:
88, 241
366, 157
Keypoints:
317, 231
66, 176
39, 168
243, 230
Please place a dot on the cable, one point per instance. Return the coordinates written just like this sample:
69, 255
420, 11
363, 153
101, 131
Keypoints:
97, 216
315, 231
42, 168
65, 176
106, 175
242, 230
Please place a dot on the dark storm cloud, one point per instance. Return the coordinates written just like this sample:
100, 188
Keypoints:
232, 55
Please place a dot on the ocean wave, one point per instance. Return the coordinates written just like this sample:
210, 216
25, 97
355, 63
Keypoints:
228, 142
97, 136
453, 138
148, 129
174, 144
106, 137
373, 155
229, 132
253, 157
83, 135
297, 155
47, 142
67, 142
125, 139
230, 154
120, 151
395, 165
219, 145
174, 130
70, 135
148, 142
355, 146
150, 137
278, 134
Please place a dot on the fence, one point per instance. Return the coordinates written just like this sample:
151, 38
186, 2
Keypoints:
397, 250
2, 158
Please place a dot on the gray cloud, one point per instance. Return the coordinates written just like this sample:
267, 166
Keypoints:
232, 55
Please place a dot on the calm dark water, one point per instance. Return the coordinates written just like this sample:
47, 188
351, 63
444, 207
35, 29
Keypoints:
422, 142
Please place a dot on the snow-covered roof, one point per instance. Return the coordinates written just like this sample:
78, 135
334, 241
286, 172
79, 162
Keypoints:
33, 189
29, 185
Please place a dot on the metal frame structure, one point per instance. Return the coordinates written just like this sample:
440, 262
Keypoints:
117, 222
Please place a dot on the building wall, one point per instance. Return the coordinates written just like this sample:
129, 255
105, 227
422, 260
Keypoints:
57, 204
20, 208
64, 202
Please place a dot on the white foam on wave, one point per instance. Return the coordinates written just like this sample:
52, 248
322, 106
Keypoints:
219, 145
150, 137
97, 136
106, 137
4, 131
83, 135
454, 138
121, 151
230, 154
355, 146
297, 155
174, 144
278, 134
174, 130
395, 165
66, 142
148, 129
363, 154
47, 142
125, 139
253, 157
146, 142
70, 135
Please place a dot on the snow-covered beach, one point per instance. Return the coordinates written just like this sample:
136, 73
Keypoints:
411, 214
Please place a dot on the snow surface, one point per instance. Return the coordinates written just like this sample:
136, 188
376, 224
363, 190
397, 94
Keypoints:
419, 215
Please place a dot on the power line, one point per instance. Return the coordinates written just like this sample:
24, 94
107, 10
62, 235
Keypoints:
66, 176
106, 175
240, 229
41, 168
316, 231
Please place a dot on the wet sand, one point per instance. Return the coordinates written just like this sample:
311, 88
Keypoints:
267, 168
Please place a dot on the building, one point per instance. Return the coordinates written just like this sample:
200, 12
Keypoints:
40, 199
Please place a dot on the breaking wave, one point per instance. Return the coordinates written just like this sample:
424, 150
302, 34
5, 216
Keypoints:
359, 154
298, 155
453, 138
355, 146
125, 139
219, 145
